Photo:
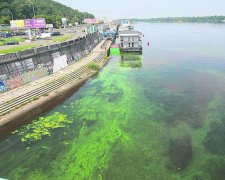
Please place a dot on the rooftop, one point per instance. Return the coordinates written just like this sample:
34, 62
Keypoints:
131, 33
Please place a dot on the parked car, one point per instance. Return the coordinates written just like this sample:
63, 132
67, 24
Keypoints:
44, 36
11, 43
6, 35
19, 34
55, 33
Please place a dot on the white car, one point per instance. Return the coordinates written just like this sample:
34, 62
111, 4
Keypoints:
44, 36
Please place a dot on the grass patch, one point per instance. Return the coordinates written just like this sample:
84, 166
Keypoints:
105, 57
16, 49
63, 38
94, 66
45, 94
17, 39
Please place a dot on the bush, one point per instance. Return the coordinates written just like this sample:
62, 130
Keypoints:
94, 66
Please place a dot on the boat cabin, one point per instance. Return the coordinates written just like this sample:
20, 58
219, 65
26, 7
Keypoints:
130, 41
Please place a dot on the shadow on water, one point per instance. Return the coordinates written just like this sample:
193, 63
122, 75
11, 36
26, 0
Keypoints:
215, 139
132, 60
180, 152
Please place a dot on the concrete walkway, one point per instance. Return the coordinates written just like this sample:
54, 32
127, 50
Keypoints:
18, 97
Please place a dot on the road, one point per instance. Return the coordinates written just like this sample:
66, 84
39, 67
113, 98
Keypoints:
77, 32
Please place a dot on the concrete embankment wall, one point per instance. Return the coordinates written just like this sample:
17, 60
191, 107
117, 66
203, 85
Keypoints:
30, 111
19, 68
18, 113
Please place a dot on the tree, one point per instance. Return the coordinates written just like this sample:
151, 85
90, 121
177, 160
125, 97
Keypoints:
52, 11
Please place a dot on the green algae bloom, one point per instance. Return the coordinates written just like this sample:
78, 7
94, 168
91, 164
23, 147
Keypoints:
42, 127
165, 121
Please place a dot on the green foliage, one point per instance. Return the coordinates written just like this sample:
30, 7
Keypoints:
63, 38
50, 10
94, 66
16, 49
45, 94
35, 98
37, 129
5, 40
214, 19
105, 58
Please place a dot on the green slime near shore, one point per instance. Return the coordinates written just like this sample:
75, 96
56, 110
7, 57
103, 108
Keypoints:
121, 126
157, 116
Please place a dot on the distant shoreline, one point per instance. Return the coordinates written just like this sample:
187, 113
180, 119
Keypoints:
204, 19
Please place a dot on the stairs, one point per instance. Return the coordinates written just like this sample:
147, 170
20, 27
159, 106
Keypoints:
47, 87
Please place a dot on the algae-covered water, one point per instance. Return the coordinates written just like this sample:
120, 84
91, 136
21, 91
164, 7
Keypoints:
155, 116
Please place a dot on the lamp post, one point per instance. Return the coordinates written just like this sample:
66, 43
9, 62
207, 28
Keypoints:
33, 10
11, 13
30, 2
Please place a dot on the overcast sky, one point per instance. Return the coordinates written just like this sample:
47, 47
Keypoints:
114, 9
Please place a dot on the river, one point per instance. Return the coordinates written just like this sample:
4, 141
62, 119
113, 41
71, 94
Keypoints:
159, 116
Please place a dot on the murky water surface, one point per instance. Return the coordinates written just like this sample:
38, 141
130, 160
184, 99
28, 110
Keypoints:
160, 115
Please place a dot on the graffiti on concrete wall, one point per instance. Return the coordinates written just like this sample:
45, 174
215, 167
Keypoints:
34, 75
77, 56
24, 78
26, 71
14, 82
48, 65
70, 60
3, 77
3, 86
60, 63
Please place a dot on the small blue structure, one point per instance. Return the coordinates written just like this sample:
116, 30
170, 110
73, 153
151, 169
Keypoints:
109, 34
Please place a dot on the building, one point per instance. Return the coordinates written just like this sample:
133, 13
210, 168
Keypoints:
130, 41
127, 25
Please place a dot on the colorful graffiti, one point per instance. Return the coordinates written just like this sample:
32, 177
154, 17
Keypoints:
77, 56
3, 77
15, 82
3, 86
27, 77
48, 65
70, 60
34, 75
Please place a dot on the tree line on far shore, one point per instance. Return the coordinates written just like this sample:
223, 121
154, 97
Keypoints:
52, 11
209, 19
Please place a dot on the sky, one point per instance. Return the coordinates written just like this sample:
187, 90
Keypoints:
116, 9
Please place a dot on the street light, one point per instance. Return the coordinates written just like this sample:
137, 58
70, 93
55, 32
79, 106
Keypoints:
11, 13
32, 4
33, 10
